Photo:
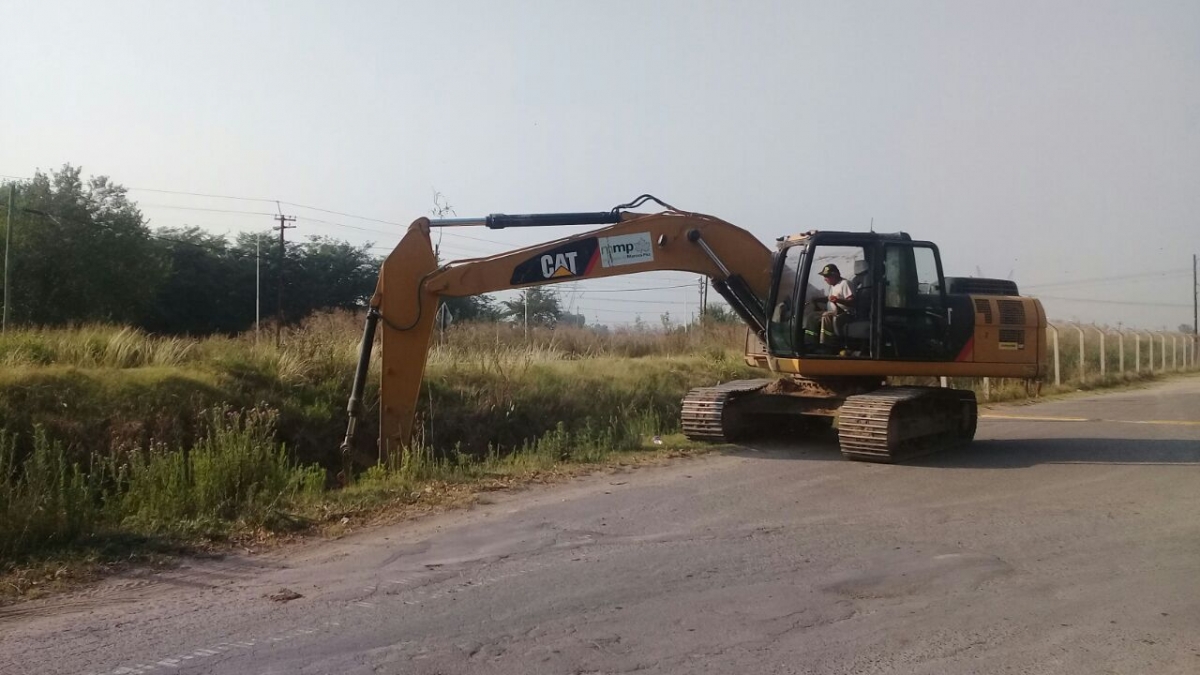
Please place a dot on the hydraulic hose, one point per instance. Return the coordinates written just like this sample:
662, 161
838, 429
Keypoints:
354, 407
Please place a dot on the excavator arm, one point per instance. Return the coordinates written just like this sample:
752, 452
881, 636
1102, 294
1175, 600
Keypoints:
411, 282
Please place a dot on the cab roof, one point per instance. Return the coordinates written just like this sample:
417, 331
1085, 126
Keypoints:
840, 238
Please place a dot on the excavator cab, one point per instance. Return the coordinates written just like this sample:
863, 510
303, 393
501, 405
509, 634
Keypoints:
899, 307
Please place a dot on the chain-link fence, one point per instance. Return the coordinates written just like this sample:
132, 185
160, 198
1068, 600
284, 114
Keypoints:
1080, 353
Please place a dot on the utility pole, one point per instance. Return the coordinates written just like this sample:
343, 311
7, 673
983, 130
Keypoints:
703, 297
12, 197
257, 284
526, 303
283, 225
687, 317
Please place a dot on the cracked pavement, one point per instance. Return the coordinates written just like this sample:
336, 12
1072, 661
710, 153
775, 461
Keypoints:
1048, 546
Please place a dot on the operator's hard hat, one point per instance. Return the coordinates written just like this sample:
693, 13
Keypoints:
830, 270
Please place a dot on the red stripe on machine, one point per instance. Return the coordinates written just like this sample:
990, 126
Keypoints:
968, 350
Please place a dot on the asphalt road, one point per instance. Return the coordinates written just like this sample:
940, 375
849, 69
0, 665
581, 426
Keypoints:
1051, 545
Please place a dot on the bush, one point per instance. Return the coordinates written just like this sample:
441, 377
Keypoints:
235, 472
45, 501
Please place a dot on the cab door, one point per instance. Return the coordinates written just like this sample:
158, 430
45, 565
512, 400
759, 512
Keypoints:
915, 320
783, 324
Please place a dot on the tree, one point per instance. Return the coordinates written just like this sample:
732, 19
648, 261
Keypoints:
544, 309
569, 319
325, 273
208, 288
210, 284
83, 252
474, 308
719, 314
85, 255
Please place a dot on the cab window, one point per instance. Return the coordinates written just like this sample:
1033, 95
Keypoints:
782, 324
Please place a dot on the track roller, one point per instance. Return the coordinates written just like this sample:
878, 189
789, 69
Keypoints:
708, 415
897, 423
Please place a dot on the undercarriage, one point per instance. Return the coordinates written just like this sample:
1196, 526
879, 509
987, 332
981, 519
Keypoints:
876, 422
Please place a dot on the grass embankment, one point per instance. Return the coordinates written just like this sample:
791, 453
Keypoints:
117, 442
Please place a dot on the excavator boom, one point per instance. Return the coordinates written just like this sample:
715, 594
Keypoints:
411, 283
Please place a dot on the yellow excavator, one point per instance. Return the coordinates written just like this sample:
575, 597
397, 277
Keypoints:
829, 356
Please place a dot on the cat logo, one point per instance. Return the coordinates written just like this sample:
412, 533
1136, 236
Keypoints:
560, 265
566, 261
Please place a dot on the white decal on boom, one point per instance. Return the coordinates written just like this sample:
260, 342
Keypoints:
626, 249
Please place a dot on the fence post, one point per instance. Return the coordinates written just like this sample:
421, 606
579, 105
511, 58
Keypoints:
1102, 368
1163, 350
1137, 352
1082, 371
987, 389
1057, 375
1121, 350
1174, 353
1151, 341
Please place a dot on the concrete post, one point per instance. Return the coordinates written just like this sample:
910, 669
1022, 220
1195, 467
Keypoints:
1057, 371
1121, 350
1102, 355
1082, 368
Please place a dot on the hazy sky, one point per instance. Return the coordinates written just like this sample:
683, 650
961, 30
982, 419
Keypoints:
1056, 140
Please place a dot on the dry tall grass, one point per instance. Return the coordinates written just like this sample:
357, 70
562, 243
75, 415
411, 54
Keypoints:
102, 415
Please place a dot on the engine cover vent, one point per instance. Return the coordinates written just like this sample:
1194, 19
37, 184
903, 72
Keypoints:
1012, 312
1011, 338
984, 308
980, 286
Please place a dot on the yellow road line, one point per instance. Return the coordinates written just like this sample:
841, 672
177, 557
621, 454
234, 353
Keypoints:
1033, 418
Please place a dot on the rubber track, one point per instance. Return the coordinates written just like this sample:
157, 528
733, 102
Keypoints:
868, 424
704, 414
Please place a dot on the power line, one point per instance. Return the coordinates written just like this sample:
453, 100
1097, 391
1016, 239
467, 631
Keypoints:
646, 302
307, 218
583, 308
202, 194
636, 290
293, 204
55, 216
1115, 302
1105, 280
200, 208
392, 233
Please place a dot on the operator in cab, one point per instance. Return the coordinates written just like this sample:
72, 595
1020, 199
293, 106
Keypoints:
839, 303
